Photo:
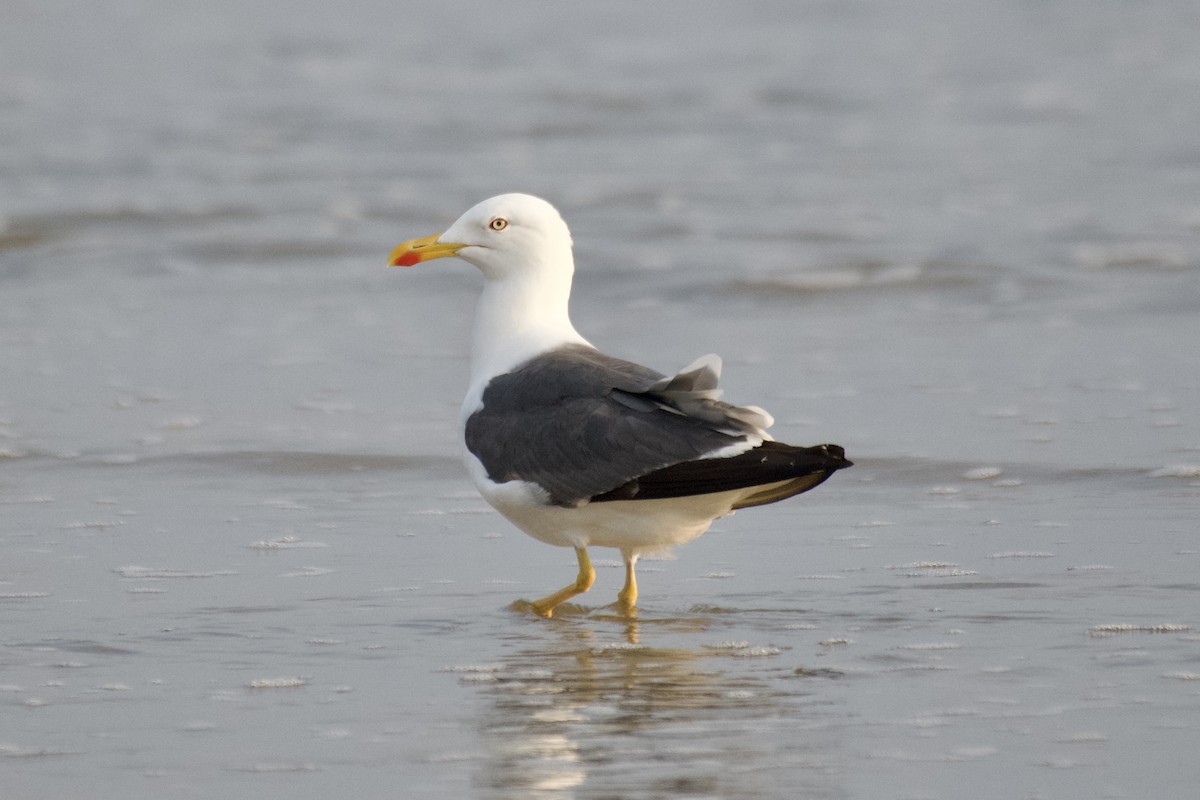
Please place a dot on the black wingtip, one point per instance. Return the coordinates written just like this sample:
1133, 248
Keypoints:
836, 454
801, 468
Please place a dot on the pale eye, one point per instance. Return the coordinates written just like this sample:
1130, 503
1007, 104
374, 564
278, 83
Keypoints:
498, 224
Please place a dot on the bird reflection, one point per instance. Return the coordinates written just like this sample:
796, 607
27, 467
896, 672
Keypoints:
587, 707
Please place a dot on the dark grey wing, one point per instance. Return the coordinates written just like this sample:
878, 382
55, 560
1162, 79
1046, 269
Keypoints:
579, 423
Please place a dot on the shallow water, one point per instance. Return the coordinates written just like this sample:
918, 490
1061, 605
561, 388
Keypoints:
240, 556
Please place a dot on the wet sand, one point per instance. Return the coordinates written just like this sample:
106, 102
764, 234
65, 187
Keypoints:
240, 554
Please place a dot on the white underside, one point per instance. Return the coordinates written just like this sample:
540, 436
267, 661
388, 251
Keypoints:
632, 526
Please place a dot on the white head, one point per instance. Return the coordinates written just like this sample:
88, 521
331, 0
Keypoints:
503, 236
523, 248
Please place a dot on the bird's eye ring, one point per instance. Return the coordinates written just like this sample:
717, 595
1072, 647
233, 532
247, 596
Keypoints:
498, 224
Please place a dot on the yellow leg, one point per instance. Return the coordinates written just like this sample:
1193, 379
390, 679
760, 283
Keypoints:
587, 576
627, 597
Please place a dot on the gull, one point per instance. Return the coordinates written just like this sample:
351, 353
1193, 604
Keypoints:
581, 449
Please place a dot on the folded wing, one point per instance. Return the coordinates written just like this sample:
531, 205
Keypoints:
583, 425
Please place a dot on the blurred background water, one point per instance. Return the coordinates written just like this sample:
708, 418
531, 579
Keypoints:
238, 554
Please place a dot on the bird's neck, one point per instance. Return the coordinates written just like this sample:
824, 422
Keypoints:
518, 317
